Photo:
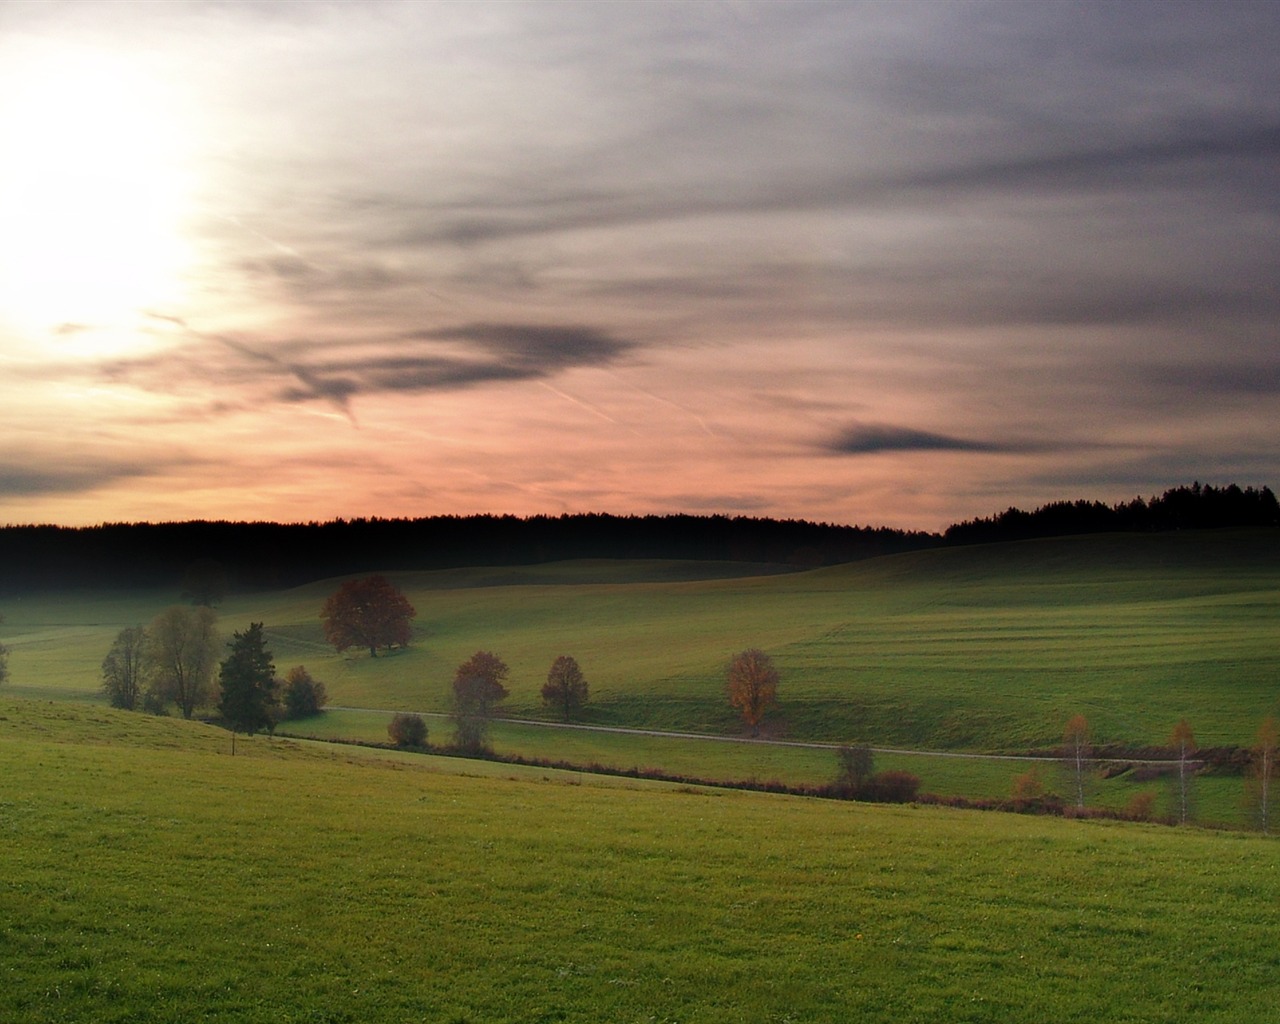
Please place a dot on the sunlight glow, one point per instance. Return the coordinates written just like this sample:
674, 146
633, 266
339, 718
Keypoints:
92, 196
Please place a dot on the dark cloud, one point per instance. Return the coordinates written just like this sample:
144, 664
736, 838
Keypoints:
541, 349
441, 359
57, 475
875, 438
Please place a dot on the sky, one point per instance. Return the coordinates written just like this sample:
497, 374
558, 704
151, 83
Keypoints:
884, 263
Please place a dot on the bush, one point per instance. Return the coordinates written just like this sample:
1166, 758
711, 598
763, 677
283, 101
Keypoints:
893, 787
303, 696
1028, 788
1141, 807
408, 731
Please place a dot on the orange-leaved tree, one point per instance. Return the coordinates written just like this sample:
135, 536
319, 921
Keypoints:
369, 612
752, 686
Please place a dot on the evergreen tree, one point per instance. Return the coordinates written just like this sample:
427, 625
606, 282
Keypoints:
248, 682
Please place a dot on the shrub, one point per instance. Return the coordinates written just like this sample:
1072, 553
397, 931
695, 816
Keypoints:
892, 787
1027, 788
303, 696
407, 731
1141, 807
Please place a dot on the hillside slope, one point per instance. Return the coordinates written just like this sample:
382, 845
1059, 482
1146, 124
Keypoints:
984, 647
151, 877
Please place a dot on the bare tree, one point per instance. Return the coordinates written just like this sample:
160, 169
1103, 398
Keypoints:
181, 654
123, 668
1183, 742
1077, 748
752, 686
1262, 769
855, 763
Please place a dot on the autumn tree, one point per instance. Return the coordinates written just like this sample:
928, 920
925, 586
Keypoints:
752, 686
477, 689
1077, 753
566, 688
1027, 789
1262, 770
123, 669
248, 682
369, 612
1183, 742
180, 653
303, 696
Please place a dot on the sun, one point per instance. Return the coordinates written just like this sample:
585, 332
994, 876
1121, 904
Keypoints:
92, 194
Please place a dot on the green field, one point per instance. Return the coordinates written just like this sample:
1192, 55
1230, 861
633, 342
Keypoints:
150, 876
987, 648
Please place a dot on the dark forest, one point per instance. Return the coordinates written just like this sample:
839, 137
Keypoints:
272, 555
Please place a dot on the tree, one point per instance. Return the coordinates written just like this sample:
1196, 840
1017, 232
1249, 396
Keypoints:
855, 764
1262, 769
123, 669
407, 731
181, 652
1183, 742
303, 695
205, 582
369, 612
752, 686
1028, 789
4, 659
565, 687
248, 682
1077, 750
477, 688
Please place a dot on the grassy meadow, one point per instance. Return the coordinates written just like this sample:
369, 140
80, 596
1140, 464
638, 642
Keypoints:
987, 648
151, 876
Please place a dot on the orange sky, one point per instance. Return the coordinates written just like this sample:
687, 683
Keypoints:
872, 263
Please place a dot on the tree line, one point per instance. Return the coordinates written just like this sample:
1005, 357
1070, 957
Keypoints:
262, 555
1197, 507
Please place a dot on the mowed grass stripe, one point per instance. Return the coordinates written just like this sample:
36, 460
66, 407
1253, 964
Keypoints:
151, 877
984, 648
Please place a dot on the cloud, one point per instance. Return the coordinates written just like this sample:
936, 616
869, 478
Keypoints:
439, 359
57, 475
876, 438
